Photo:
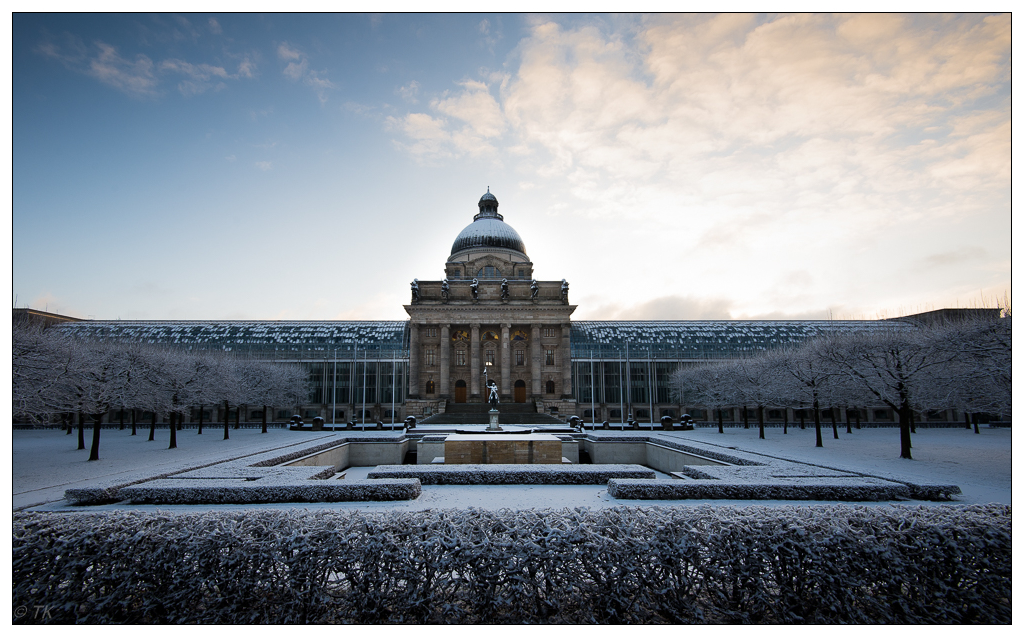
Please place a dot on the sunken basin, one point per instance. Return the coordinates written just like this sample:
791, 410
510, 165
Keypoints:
530, 448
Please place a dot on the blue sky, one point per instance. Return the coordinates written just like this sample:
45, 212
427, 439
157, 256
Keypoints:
208, 166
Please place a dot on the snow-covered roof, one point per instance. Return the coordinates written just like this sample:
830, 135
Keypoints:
684, 340
252, 335
699, 339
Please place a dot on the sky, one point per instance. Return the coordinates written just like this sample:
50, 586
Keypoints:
309, 167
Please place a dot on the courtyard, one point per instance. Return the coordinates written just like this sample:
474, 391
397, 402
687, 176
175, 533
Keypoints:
46, 463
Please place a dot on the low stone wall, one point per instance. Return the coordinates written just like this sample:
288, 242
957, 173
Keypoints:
513, 473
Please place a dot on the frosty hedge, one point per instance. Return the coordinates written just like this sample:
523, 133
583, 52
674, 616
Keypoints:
815, 564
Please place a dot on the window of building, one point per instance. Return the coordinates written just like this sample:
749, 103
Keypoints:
430, 356
615, 413
549, 332
431, 332
698, 414
456, 274
522, 273
935, 415
776, 414
489, 272
460, 357
587, 413
489, 356
339, 414
671, 413
642, 413
549, 387
430, 387
883, 414
520, 357
282, 414
549, 357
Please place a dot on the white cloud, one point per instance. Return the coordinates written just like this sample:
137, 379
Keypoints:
298, 69
132, 77
263, 165
141, 77
467, 122
214, 26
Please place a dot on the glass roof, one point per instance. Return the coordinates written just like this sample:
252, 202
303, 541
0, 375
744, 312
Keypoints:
699, 339
252, 335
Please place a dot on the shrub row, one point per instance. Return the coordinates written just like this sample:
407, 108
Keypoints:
513, 473
840, 489
260, 491
812, 564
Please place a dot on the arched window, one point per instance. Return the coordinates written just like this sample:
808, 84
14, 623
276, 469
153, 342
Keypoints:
549, 387
430, 387
460, 383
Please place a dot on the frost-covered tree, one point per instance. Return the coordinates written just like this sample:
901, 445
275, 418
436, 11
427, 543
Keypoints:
895, 365
706, 385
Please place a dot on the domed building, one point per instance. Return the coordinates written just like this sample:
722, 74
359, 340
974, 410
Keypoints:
489, 321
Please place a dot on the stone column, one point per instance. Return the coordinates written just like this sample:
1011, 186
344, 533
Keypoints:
565, 360
535, 354
414, 360
506, 362
474, 362
444, 355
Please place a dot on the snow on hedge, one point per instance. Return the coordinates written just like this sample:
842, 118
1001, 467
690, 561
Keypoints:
814, 564
513, 473
837, 489
267, 490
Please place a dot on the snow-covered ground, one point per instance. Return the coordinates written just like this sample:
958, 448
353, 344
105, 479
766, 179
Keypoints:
45, 462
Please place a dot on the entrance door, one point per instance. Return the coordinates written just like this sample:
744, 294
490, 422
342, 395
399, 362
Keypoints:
460, 391
519, 392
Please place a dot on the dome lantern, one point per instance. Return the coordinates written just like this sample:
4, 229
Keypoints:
488, 205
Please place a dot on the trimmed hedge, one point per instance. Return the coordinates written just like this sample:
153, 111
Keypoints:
264, 491
823, 489
513, 473
812, 564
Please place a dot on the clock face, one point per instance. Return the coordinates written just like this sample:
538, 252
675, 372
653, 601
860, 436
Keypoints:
519, 335
460, 335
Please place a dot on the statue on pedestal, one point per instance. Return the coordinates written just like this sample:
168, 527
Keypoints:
534, 289
415, 290
492, 396
565, 291
504, 289
474, 287
444, 290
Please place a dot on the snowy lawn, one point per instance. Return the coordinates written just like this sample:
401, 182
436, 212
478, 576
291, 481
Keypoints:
977, 463
45, 463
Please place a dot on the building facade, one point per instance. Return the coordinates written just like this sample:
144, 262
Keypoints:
488, 321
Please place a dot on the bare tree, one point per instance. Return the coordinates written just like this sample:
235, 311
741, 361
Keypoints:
894, 365
707, 385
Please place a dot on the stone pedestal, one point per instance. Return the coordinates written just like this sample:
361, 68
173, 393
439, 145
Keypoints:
493, 426
502, 449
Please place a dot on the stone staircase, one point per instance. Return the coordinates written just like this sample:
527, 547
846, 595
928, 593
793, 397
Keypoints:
476, 414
